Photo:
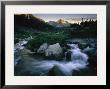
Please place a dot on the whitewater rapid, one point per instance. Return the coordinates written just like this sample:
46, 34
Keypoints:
79, 60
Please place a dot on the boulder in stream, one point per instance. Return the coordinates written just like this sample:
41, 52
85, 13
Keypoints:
42, 48
54, 50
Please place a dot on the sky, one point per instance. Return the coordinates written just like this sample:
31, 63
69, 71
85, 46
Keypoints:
72, 18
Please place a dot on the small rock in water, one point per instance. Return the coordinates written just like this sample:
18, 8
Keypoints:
87, 49
82, 45
68, 55
75, 53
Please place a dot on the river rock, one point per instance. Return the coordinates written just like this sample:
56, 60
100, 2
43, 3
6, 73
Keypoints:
16, 60
78, 55
20, 55
42, 48
26, 51
59, 70
54, 50
82, 45
93, 62
68, 56
90, 51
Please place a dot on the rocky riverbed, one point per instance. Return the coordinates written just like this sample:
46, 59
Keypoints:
77, 57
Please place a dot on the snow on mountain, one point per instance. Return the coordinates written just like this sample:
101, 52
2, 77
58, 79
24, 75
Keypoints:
59, 23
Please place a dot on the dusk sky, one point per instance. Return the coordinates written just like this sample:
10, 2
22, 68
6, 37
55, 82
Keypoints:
72, 18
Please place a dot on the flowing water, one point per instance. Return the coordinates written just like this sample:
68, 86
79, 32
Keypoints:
28, 65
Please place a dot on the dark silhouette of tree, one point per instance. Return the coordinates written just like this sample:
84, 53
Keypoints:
91, 24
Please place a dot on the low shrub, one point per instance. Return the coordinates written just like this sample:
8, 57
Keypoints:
48, 37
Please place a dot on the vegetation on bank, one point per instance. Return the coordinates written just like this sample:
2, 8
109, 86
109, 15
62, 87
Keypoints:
51, 37
47, 37
42, 32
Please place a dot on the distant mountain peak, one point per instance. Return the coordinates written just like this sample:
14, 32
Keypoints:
61, 21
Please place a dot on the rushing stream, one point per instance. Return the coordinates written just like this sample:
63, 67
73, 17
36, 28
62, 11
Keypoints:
28, 65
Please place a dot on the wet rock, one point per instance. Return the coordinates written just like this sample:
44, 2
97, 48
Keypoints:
90, 51
84, 72
16, 61
76, 54
21, 54
68, 56
58, 70
93, 45
26, 51
82, 45
67, 47
54, 50
93, 62
64, 49
42, 48
87, 49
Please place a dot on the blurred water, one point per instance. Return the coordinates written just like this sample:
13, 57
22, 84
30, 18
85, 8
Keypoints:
78, 61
